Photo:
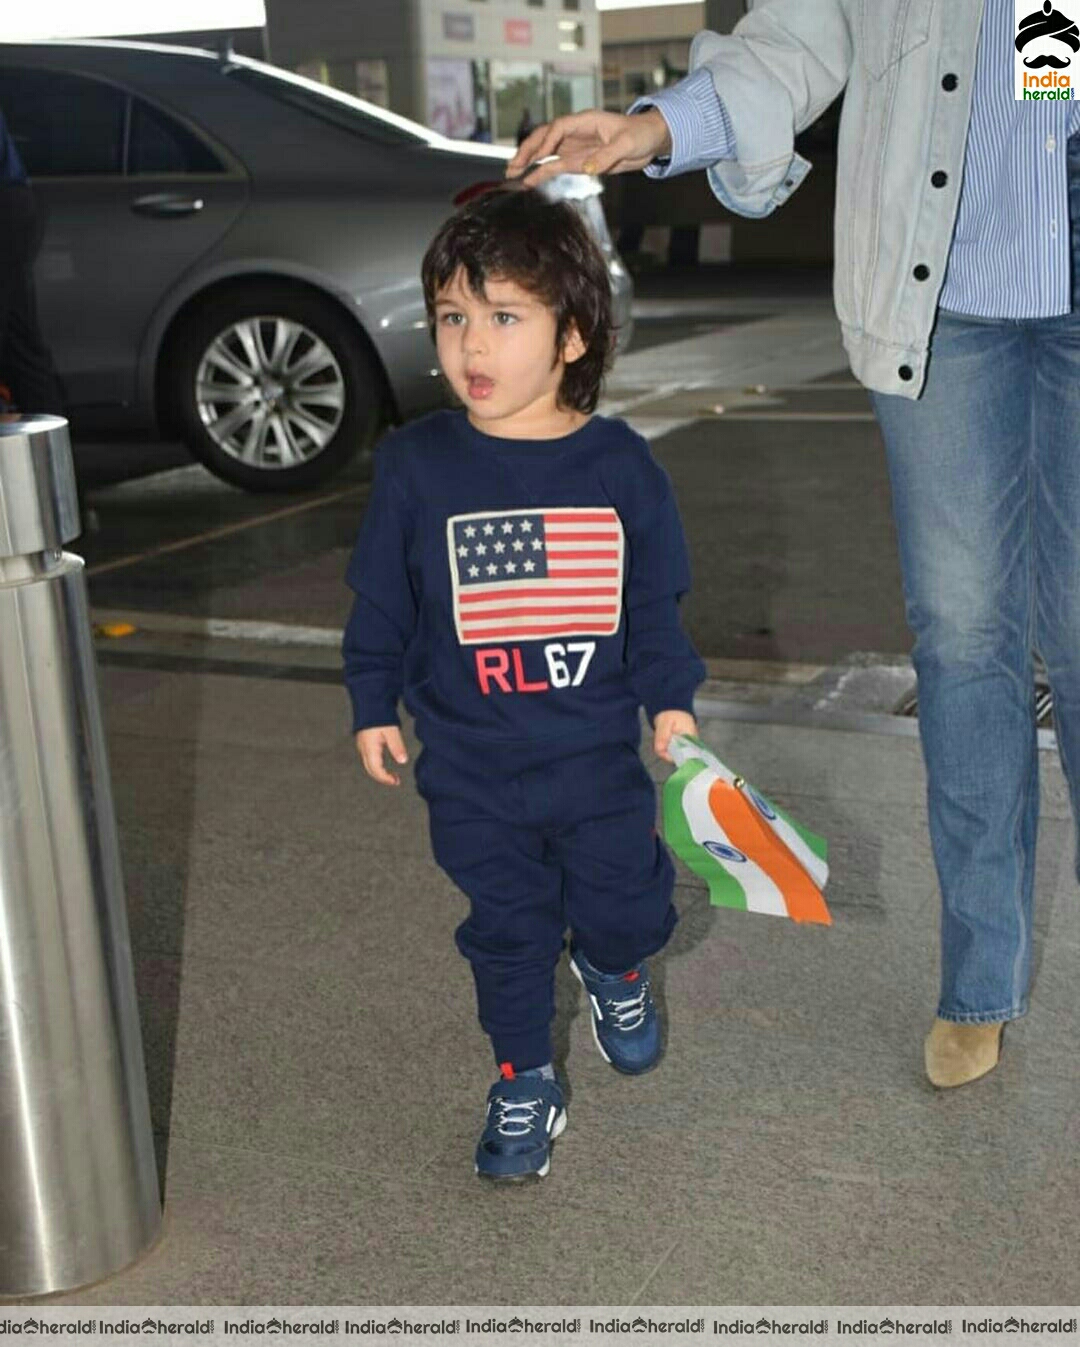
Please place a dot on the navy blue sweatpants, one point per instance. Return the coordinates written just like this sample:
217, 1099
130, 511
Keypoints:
538, 846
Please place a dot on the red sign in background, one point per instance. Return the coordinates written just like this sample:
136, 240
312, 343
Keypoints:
518, 32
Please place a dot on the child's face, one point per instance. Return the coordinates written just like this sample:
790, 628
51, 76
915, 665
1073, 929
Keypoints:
499, 354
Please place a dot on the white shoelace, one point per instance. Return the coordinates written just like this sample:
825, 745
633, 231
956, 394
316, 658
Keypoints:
629, 1013
515, 1117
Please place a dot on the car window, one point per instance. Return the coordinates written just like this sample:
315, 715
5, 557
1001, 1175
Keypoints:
63, 124
160, 145
331, 105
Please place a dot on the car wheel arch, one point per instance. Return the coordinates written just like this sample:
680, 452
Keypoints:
184, 314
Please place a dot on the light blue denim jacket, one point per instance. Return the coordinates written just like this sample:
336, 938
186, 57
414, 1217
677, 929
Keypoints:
901, 120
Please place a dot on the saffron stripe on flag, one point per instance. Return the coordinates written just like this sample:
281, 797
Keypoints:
751, 834
760, 892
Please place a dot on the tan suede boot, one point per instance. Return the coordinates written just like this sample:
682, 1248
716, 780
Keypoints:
958, 1053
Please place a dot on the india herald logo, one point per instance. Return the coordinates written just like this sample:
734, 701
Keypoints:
1043, 34
1045, 41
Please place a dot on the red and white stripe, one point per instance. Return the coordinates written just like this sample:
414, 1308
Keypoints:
581, 595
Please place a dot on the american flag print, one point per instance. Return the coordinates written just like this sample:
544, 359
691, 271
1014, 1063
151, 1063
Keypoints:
536, 574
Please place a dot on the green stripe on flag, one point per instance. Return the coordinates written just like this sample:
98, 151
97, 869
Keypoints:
724, 889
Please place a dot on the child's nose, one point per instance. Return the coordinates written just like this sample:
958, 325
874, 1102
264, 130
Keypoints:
474, 338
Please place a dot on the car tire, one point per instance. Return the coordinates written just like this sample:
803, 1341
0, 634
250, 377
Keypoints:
299, 431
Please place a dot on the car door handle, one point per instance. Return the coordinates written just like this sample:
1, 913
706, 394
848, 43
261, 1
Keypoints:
167, 204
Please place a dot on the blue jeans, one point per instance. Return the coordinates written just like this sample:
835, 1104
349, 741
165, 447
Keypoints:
985, 472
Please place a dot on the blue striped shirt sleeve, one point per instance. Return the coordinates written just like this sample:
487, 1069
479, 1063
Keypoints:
701, 131
1011, 252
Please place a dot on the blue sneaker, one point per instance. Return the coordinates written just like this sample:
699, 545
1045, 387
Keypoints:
525, 1113
624, 1019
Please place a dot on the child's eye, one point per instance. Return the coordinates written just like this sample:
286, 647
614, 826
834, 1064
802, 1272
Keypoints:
451, 319
504, 319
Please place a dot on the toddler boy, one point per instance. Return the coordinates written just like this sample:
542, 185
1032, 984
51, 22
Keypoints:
517, 579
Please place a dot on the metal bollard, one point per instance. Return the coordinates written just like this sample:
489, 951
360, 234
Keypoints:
78, 1180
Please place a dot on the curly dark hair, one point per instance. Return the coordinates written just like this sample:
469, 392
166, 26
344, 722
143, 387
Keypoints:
517, 234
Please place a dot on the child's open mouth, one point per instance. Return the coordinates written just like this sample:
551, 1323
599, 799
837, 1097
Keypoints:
479, 385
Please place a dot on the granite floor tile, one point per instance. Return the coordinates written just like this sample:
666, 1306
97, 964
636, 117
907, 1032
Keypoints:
316, 1067
302, 1231
373, 916
247, 794
224, 709
749, 1214
829, 1240
300, 1061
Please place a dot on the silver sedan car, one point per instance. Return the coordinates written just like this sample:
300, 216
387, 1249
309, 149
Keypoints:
232, 252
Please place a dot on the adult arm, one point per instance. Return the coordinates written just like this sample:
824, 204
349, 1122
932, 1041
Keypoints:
776, 72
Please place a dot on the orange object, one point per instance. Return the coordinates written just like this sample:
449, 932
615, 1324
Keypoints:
748, 831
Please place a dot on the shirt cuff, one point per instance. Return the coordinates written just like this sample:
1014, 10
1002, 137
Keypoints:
701, 131
372, 709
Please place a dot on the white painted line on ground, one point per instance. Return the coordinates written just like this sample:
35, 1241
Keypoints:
652, 428
785, 416
727, 308
614, 405
853, 386
789, 348
226, 629
802, 343
763, 671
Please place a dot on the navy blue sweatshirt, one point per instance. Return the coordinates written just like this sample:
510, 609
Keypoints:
518, 591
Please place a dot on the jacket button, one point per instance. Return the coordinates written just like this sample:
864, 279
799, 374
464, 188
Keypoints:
906, 372
939, 179
949, 83
921, 272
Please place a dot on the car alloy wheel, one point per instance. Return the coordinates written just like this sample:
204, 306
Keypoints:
270, 392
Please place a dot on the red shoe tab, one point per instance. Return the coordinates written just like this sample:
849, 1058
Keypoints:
632, 976
506, 1070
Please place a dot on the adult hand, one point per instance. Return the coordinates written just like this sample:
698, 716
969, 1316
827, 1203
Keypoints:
370, 744
593, 142
667, 723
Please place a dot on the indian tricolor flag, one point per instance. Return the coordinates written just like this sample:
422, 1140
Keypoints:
752, 855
